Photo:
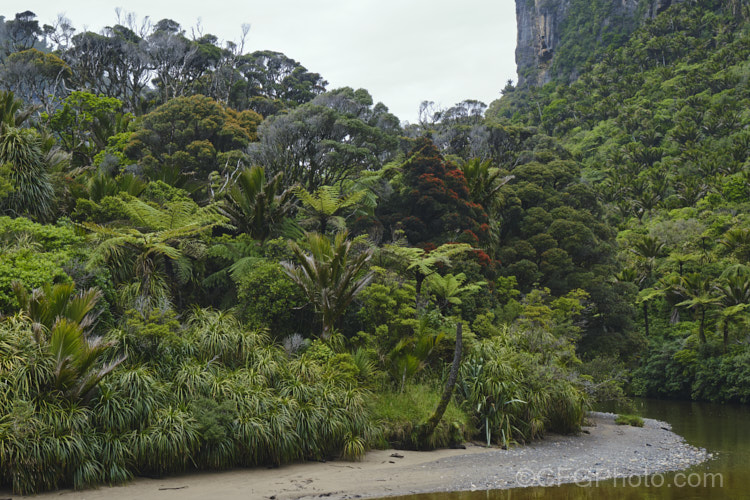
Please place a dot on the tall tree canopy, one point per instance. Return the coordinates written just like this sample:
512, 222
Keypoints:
195, 135
329, 139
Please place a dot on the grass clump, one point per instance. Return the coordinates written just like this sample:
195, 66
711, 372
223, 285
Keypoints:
633, 420
400, 413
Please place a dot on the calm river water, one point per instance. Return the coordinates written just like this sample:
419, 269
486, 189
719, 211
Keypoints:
723, 430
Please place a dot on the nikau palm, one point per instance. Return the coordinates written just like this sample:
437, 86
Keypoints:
410, 355
76, 357
254, 204
48, 304
648, 250
12, 113
60, 320
737, 241
484, 181
330, 274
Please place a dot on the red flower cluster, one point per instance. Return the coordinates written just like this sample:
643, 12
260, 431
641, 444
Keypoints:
482, 258
435, 206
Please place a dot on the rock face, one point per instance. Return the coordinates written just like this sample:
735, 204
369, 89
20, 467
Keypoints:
541, 26
538, 31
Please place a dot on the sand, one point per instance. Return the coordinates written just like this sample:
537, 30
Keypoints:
603, 451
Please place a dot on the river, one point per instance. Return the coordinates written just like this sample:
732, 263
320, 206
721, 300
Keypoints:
724, 430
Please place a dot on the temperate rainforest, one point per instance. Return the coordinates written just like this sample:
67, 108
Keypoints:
210, 260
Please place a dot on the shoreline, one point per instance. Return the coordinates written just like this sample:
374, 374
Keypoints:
603, 451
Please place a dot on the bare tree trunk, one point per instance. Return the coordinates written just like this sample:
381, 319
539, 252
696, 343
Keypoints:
726, 335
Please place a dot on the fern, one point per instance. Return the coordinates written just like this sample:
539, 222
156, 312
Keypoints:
450, 287
325, 205
139, 260
170, 216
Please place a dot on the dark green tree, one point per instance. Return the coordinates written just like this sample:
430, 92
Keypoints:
193, 136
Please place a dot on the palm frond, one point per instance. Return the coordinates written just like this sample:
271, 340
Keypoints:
330, 275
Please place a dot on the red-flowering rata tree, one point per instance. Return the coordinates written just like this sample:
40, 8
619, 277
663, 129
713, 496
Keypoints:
432, 205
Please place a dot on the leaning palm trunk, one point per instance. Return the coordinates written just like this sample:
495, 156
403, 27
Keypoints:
426, 429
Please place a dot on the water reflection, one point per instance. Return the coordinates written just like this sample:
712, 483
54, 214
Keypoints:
722, 429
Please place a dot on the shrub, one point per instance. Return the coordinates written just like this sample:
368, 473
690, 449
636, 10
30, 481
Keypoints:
33, 254
517, 385
268, 298
210, 394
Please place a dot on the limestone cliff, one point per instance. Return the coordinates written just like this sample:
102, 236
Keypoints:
574, 28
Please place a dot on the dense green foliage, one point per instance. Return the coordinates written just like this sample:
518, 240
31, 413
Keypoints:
269, 272
590, 28
210, 396
667, 148
35, 254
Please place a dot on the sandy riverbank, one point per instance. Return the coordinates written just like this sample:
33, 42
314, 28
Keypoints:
604, 450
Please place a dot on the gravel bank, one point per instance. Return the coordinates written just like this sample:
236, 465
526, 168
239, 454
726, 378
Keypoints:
605, 450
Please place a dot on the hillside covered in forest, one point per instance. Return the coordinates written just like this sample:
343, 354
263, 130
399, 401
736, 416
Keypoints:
207, 253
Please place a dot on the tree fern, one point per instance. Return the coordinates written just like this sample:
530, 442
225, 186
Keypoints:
175, 215
421, 263
141, 261
325, 205
450, 287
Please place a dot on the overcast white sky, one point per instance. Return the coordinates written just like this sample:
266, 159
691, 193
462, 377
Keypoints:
402, 51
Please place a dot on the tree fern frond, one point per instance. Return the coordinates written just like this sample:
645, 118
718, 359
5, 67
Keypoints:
143, 214
241, 267
183, 269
